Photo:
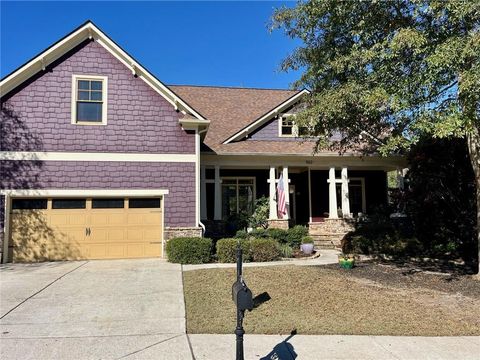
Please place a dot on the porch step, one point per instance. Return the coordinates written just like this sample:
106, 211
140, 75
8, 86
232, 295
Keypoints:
327, 241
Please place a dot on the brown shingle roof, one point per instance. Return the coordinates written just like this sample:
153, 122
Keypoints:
230, 110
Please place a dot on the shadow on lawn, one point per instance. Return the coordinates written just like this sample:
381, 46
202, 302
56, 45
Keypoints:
283, 350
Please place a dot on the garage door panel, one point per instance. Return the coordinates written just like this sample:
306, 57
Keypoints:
71, 234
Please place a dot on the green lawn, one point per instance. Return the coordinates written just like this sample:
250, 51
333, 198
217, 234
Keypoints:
370, 299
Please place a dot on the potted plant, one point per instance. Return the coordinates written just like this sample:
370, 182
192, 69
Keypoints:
346, 261
307, 245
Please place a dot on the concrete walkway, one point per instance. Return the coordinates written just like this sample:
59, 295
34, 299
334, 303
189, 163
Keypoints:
311, 347
326, 257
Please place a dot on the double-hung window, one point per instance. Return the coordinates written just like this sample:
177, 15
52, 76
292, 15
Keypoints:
89, 100
238, 196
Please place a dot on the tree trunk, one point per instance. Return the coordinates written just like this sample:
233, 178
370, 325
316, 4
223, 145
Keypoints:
473, 141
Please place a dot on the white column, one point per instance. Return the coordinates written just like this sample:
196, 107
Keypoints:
345, 197
309, 196
272, 187
203, 194
400, 178
332, 195
218, 195
286, 186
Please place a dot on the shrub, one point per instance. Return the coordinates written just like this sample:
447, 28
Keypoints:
278, 234
307, 240
227, 250
259, 218
295, 235
286, 251
264, 249
189, 250
259, 233
241, 234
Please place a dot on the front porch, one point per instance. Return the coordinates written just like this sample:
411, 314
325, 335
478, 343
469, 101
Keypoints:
327, 199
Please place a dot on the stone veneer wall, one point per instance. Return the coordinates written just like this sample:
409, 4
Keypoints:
330, 232
278, 224
173, 232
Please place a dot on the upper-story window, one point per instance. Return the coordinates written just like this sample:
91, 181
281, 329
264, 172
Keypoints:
89, 100
287, 126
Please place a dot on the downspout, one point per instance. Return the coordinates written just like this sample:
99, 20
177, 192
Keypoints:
202, 225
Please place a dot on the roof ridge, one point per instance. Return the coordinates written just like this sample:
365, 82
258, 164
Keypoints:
233, 87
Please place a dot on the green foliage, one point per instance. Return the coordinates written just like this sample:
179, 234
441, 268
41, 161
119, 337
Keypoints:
259, 218
440, 197
278, 234
402, 69
227, 250
307, 240
264, 250
295, 235
241, 234
286, 251
189, 250
258, 233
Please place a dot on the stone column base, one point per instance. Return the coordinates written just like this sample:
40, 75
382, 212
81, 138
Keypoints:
330, 232
278, 224
173, 232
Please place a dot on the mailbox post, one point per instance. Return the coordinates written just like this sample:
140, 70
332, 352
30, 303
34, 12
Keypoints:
243, 299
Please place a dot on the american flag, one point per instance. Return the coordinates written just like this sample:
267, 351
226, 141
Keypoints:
281, 205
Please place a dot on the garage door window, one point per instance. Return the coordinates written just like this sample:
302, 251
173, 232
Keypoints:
29, 204
108, 204
69, 203
144, 203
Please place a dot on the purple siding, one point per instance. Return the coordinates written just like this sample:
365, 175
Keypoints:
178, 178
138, 118
269, 131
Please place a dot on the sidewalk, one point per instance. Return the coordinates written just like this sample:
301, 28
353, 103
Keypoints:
326, 257
316, 347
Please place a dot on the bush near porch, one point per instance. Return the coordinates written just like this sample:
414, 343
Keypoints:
258, 245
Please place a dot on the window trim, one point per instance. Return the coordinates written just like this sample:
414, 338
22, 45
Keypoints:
236, 185
75, 79
280, 126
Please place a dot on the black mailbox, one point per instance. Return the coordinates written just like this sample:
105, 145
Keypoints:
242, 296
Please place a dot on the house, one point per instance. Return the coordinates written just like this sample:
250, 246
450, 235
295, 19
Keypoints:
100, 159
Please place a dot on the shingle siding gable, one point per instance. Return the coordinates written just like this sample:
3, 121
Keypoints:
138, 118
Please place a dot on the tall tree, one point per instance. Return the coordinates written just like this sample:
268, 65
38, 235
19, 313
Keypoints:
391, 71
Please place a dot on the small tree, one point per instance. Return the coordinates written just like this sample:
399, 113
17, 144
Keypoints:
388, 71
260, 214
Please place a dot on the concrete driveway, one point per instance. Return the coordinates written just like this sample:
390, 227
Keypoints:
113, 309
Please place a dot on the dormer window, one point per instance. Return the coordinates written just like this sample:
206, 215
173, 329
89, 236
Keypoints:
89, 100
287, 126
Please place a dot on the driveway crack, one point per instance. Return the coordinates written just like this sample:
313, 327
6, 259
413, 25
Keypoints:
39, 291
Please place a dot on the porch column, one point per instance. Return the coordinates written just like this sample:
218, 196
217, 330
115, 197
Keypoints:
273, 203
345, 197
203, 194
217, 214
309, 196
332, 195
286, 187
400, 178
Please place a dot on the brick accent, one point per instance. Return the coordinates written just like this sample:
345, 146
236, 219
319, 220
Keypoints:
171, 232
138, 118
278, 224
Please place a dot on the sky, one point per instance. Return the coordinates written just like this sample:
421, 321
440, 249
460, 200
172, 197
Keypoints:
196, 43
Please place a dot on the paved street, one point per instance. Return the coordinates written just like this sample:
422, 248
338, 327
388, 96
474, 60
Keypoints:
134, 309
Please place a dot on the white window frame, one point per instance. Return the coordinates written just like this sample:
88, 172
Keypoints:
104, 80
238, 178
280, 126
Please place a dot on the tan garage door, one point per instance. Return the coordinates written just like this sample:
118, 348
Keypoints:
98, 228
